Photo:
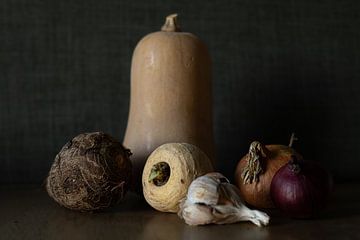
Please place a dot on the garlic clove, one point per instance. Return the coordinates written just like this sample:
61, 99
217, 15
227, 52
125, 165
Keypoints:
210, 199
196, 214
239, 209
259, 218
231, 193
204, 191
229, 214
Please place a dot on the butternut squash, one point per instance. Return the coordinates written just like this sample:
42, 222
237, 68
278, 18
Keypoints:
171, 99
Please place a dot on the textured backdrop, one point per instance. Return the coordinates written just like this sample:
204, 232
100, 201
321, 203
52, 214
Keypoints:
279, 66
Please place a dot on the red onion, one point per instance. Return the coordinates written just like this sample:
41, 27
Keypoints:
301, 188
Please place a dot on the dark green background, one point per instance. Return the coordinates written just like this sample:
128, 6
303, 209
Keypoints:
279, 66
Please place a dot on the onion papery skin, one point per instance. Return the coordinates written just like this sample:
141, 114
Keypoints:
301, 189
257, 194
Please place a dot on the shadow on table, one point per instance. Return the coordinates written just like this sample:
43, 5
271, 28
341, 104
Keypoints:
170, 226
132, 202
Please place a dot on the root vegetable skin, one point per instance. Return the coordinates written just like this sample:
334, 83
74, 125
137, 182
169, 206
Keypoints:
91, 172
254, 177
186, 162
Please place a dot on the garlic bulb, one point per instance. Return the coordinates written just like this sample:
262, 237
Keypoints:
213, 199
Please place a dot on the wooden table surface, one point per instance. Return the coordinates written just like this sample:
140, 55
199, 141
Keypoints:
26, 212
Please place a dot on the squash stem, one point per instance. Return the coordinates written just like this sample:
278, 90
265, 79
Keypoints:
171, 24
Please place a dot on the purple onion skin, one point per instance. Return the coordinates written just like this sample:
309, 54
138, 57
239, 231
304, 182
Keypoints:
301, 189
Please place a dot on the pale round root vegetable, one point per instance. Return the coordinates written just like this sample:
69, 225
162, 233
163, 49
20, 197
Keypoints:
169, 171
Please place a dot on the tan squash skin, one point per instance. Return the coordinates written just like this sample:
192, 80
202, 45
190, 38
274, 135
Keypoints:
170, 94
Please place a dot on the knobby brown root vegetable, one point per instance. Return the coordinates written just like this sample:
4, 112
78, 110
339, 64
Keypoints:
171, 99
256, 169
91, 172
168, 173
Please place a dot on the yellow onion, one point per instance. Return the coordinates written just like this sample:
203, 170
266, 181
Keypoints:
256, 169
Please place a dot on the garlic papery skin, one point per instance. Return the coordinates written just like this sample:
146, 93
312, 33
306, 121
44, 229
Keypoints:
204, 190
213, 199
